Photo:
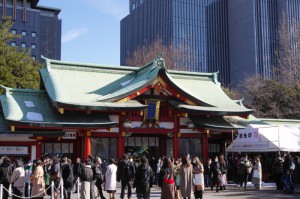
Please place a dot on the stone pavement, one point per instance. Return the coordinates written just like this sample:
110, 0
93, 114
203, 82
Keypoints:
268, 192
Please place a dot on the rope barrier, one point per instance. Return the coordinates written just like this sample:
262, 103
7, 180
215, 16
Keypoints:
3, 188
53, 188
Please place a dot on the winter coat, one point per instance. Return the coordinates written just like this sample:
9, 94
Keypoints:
296, 173
77, 168
186, 181
167, 183
111, 177
278, 166
38, 182
67, 176
18, 178
140, 182
257, 167
86, 173
215, 171
5, 172
122, 172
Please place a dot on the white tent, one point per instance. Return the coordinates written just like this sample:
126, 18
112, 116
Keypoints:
265, 138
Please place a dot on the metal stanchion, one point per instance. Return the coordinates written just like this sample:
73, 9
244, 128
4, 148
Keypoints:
52, 190
61, 189
78, 190
1, 191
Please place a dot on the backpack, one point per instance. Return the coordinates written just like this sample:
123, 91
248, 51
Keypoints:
5, 178
145, 178
130, 171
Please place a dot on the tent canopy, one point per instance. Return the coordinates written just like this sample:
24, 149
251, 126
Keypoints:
266, 138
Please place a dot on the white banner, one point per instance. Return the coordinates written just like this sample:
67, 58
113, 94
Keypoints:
9, 150
249, 146
248, 135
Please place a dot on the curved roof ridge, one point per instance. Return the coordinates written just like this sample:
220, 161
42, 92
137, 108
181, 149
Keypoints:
49, 63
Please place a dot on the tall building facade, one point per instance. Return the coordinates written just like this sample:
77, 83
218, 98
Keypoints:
198, 27
236, 38
39, 27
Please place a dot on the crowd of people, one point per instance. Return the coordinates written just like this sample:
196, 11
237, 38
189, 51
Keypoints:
185, 177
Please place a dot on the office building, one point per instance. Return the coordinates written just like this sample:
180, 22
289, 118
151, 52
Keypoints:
236, 38
39, 27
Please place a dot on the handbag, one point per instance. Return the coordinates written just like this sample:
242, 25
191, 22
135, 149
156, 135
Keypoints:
256, 174
198, 179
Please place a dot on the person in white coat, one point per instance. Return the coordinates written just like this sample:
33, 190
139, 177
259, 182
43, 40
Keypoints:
111, 178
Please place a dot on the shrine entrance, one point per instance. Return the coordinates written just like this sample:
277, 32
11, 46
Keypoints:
137, 146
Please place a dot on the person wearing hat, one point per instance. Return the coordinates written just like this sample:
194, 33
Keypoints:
143, 180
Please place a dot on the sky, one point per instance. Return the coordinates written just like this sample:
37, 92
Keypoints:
90, 29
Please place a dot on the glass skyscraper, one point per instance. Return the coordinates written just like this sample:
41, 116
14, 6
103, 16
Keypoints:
238, 38
39, 27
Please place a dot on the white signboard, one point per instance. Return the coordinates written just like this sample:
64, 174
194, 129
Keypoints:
248, 135
69, 136
9, 150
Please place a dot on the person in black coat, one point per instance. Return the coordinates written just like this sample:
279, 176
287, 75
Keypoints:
278, 171
123, 174
98, 176
143, 179
215, 173
5, 173
287, 173
68, 178
76, 170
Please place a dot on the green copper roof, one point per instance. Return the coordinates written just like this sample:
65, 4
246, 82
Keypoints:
215, 123
24, 107
225, 110
88, 86
92, 87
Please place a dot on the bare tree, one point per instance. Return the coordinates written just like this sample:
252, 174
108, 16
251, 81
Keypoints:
177, 58
287, 55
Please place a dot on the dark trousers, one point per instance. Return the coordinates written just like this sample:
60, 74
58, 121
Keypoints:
125, 183
100, 191
75, 182
5, 193
207, 180
277, 178
288, 184
67, 193
27, 190
143, 195
16, 192
244, 180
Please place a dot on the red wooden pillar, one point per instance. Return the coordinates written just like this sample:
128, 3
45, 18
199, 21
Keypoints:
175, 146
204, 147
175, 138
87, 147
38, 149
121, 145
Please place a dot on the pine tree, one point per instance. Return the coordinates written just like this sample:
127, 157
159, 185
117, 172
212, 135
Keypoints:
17, 68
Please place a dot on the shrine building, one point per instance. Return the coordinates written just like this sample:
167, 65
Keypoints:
106, 111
